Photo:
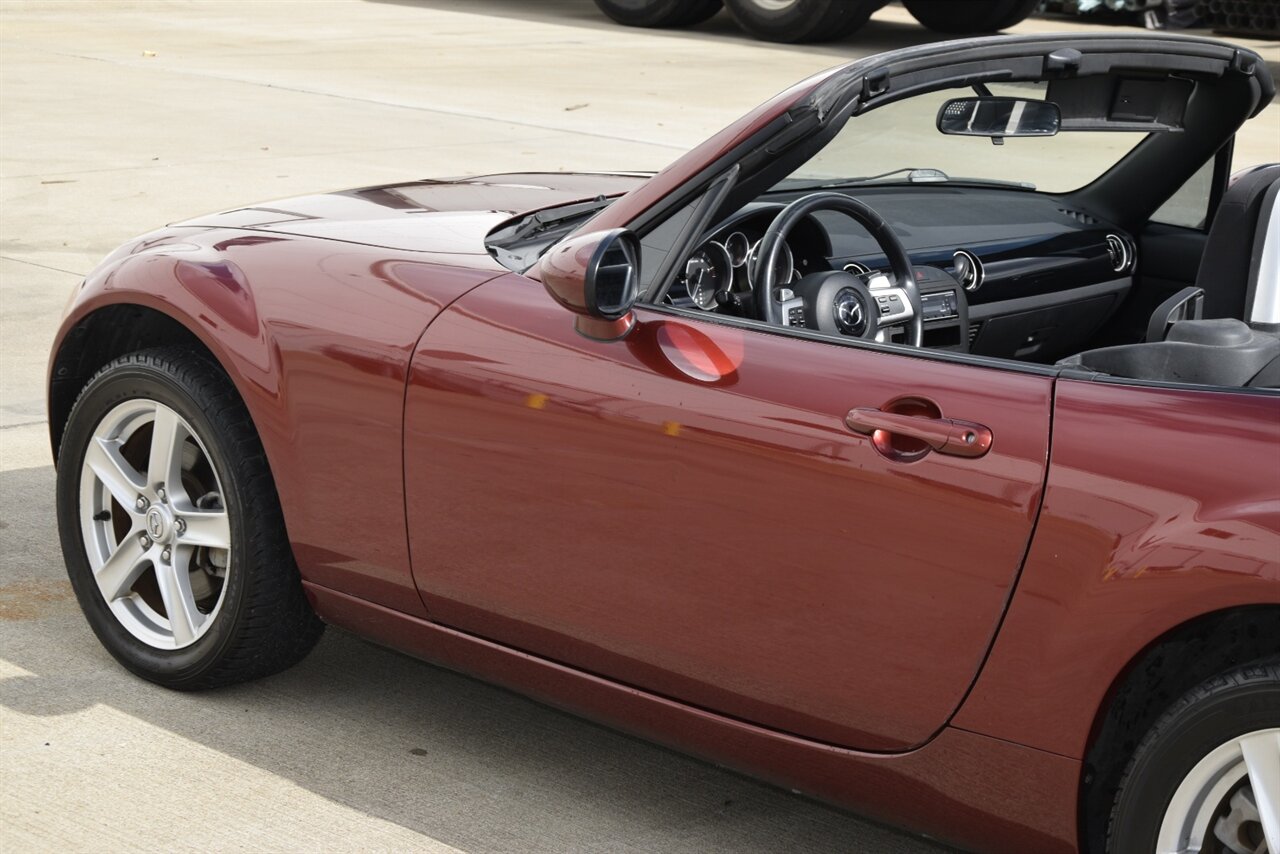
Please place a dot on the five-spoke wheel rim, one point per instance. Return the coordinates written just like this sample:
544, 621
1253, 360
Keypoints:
1229, 802
155, 525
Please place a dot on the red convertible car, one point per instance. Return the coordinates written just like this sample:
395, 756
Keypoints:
914, 442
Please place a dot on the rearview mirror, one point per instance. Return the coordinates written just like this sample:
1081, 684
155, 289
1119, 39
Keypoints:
999, 117
597, 277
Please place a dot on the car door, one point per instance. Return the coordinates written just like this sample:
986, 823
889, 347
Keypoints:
687, 510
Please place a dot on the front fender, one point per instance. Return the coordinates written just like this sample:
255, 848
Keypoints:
175, 272
316, 336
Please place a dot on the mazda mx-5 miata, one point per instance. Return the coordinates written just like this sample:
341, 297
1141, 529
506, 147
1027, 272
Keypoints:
914, 442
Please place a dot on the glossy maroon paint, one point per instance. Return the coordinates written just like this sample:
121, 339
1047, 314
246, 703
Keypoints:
317, 336
730, 543
320, 359
1161, 506
1147, 521
563, 270
448, 218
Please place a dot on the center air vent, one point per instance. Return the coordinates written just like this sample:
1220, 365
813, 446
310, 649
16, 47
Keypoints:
1121, 253
968, 269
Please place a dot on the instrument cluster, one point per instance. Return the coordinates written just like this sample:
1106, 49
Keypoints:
718, 269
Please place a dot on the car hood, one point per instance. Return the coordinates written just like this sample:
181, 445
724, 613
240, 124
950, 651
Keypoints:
449, 216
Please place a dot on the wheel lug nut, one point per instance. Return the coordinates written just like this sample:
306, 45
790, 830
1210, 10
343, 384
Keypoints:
145, 541
141, 503
181, 525
164, 555
161, 493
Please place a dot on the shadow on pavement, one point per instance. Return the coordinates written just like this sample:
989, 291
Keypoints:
463, 762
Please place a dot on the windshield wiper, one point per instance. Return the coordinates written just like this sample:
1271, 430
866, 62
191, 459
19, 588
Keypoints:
915, 175
545, 220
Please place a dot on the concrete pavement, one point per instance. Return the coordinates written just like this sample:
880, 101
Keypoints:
119, 116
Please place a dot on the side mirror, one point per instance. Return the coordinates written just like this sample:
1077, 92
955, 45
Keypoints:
597, 277
999, 117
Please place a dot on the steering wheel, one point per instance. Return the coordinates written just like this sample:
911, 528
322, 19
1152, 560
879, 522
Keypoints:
837, 301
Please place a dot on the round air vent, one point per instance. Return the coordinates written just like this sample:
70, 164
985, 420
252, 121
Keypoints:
1121, 253
967, 269
856, 268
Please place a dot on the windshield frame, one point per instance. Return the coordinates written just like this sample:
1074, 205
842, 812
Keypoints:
1027, 163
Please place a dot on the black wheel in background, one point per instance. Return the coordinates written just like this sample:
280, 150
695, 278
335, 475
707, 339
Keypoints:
659, 13
795, 21
1020, 11
963, 17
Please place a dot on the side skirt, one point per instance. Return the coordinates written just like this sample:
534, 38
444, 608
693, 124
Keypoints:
962, 787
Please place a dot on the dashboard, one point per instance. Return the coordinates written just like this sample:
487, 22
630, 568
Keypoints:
1002, 273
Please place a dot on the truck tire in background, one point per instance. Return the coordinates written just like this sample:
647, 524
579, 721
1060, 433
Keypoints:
970, 16
801, 20
659, 13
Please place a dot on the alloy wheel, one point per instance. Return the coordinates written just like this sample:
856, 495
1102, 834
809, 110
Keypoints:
1230, 801
154, 524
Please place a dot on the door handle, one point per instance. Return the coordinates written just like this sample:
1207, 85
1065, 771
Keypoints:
944, 435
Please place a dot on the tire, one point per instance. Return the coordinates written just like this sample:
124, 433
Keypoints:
1164, 792
659, 13
188, 591
963, 17
795, 21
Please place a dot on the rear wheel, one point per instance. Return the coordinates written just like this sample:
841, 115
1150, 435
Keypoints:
801, 20
659, 13
171, 529
970, 16
1207, 776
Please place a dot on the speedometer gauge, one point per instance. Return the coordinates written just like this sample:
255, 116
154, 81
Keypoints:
784, 266
707, 272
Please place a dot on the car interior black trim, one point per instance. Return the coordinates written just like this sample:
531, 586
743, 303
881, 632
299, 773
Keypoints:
693, 229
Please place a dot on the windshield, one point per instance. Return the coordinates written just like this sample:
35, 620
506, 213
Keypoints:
900, 142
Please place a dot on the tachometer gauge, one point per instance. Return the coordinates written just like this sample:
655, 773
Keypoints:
738, 247
707, 272
784, 266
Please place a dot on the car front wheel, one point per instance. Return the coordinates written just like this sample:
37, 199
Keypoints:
1207, 776
171, 529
